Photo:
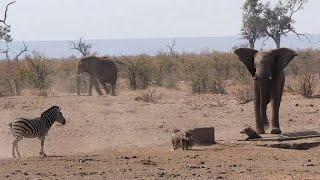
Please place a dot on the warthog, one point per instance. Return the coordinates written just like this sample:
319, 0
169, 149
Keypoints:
181, 139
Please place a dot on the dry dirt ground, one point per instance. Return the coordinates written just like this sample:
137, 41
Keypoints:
120, 138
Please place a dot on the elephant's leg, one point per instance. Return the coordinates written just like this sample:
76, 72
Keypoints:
259, 123
113, 88
90, 85
96, 86
275, 102
105, 87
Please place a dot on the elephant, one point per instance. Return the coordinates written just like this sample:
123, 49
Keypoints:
103, 70
266, 68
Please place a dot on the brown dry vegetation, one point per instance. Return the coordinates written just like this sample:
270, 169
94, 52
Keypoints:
205, 73
128, 136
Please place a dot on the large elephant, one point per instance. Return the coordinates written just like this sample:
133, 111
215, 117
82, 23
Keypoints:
103, 70
266, 69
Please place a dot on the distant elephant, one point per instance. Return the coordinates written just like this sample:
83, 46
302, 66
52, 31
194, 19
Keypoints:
266, 69
103, 70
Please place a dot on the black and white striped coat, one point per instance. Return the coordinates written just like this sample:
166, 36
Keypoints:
37, 127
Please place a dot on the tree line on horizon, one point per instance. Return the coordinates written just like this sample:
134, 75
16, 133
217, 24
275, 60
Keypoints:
263, 21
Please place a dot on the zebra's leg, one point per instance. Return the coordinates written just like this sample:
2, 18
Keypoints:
42, 144
13, 148
16, 143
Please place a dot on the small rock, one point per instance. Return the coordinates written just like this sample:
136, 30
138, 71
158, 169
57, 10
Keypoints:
126, 157
161, 174
310, 165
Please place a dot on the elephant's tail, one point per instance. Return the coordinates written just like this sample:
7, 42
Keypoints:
119, 62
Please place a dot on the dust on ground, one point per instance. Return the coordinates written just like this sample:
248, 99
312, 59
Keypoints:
117, 137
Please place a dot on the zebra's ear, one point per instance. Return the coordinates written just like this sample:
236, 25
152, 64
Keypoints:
56, 107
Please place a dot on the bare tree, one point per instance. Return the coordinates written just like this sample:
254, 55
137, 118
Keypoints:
6, 51
16, 57
11, 67
22, 51
82, 47
13, 75
278, 21
171, 47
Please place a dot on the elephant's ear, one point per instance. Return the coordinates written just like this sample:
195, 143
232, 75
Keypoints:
282, 58
246, 56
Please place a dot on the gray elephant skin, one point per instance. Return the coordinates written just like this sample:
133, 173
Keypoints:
101, 70
266, 69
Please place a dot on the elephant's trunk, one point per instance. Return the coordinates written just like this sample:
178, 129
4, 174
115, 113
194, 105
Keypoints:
264, 100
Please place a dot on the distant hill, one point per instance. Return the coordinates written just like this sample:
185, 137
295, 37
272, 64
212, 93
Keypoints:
151, 46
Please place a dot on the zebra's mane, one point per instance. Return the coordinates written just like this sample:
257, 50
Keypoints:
53, 108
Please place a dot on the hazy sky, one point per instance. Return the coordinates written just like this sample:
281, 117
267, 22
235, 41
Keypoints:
102, 19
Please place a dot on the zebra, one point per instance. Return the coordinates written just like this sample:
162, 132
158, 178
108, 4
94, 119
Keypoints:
37, 127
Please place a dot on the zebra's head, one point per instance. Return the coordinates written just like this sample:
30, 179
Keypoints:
59, 118
55, 112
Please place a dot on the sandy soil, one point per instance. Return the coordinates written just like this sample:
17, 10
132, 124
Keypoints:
117, 137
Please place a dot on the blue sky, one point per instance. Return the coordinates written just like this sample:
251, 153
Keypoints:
104, 19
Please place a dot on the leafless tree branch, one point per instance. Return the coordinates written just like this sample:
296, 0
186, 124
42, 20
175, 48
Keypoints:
23, 50
81, 46
6, 51
300, 6
3, 21
171, 47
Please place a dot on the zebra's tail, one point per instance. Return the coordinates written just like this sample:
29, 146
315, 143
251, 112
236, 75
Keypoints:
10, 125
